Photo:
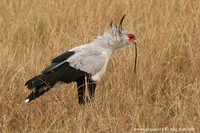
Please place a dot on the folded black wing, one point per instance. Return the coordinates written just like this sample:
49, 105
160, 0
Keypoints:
64, 56
56, 62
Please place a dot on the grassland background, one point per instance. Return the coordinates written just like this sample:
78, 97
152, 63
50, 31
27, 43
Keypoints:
165, 94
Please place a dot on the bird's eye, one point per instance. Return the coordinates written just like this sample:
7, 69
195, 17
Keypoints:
131, 36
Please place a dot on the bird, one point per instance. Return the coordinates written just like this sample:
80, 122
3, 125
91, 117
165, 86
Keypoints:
84, 64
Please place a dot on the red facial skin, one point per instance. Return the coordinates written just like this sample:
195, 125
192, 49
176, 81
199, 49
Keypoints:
131, 37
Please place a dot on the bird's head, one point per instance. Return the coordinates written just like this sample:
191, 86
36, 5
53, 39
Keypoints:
118, 37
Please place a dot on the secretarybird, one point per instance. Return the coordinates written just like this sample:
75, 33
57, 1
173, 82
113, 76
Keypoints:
83, 64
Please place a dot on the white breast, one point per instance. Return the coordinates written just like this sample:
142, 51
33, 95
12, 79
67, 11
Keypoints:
98, 75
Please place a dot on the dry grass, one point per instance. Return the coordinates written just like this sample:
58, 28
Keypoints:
166, 93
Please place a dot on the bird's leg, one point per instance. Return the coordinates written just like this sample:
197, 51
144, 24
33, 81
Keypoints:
91, 89
81, 91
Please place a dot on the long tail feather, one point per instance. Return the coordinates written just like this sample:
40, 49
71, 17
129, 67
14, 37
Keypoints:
36, 81
40, 84
36, 93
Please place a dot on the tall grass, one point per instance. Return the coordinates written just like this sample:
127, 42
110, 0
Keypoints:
165, 94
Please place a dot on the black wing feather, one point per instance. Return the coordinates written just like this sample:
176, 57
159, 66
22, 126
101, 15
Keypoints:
63, 56
58, 70
57, 60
